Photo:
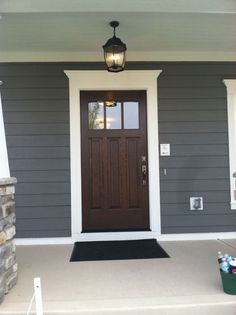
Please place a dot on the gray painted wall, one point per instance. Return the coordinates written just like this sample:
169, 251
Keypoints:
36, 112
192, 118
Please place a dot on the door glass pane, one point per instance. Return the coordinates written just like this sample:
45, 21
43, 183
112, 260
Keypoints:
113, 116
96, 115
131, 115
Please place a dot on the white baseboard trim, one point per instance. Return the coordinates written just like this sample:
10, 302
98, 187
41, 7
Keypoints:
197, 236
132, 236
45, 241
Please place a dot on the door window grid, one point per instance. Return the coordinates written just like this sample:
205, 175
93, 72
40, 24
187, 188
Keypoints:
124, 115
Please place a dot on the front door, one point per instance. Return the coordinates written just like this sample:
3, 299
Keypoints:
114, 161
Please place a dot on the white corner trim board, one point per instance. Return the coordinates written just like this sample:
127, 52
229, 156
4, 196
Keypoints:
4, 164
103, 80
231, 109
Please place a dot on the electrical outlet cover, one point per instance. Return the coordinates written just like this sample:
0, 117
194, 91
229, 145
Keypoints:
196, 203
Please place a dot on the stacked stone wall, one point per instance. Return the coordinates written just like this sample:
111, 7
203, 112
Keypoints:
8, 265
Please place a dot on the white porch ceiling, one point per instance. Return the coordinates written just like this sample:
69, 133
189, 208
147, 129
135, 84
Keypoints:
152, 29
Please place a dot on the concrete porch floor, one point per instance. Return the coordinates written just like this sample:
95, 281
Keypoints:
187, 283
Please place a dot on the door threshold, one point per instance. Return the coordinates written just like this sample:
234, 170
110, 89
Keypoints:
116, 231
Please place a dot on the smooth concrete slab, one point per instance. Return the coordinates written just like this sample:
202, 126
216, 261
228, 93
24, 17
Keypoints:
187, 283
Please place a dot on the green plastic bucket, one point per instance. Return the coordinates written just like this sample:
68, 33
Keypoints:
228, 282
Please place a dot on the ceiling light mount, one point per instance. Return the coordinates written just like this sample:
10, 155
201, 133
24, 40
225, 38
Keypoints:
114, 51
114, 24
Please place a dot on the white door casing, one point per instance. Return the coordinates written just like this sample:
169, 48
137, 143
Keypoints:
103, 80
231, 109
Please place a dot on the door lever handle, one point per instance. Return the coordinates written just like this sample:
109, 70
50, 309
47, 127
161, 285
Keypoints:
144, 173
144, 169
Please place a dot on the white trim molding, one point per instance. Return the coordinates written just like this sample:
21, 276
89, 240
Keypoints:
4, 164
123, 236
231, 108
44, 241
103, 80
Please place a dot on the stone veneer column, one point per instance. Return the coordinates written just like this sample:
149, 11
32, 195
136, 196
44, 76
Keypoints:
8, 266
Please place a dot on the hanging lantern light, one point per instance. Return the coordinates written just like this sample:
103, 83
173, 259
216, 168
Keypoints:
114, 51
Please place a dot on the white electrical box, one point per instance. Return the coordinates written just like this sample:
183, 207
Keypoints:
196, 203
165, 149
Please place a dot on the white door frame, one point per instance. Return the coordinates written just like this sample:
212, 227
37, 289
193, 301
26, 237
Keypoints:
103, 80
231, 110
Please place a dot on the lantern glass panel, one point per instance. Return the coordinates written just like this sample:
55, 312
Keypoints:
115, 59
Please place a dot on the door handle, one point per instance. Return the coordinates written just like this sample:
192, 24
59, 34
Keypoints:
144, 174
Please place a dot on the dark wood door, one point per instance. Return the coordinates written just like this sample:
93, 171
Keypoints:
114, 161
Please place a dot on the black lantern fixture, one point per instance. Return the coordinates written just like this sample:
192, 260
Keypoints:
114, 51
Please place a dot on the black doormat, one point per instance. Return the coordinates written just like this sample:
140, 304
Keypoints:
116, 250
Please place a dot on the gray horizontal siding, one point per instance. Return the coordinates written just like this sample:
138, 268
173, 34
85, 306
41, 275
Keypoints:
220, 69
192, 138
36, 70
169, 81
199, 150
192, 118
36, 115
197, 69
38, 140
42, 233
196, 185
34, 81
194, 173
183, 196
199, 228
42, 176
192, 93
174, 209
194, 223
192, 104
35, 106
194, 161
49, 224
196, 220
39, 164
35, 94
45, 189
193, 127
37, 200
43, 212
43, 227
38, 152
197, 115
37, 129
